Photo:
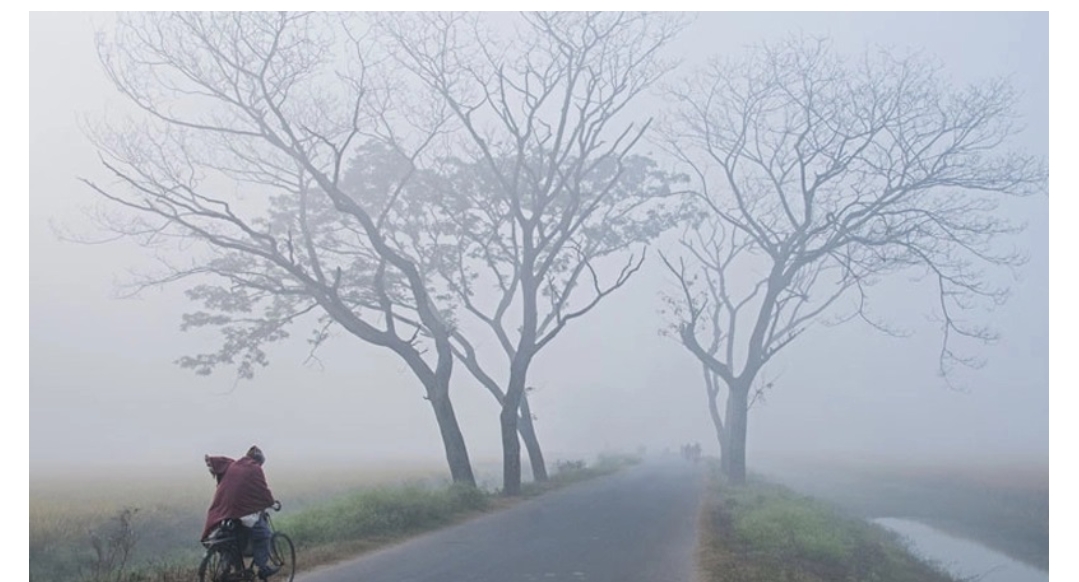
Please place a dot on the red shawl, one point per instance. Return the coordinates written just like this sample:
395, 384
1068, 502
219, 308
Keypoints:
241, 490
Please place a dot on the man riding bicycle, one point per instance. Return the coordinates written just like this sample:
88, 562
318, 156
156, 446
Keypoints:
242, 494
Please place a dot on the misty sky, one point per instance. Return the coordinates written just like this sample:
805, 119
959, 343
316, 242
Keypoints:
103, 387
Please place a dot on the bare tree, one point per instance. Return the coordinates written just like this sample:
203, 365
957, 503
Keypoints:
427, 224
815, 178
540, 175
234, 174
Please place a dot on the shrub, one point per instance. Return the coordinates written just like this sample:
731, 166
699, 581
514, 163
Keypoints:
563, 466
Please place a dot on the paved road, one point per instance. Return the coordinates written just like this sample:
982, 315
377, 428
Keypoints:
638, 525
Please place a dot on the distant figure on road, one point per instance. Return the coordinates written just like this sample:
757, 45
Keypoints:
691, 452
242, 494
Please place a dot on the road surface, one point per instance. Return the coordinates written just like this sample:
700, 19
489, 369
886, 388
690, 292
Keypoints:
638, 525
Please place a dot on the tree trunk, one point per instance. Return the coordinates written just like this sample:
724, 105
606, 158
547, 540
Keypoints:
511, 405
528, 435
511, 449
725, 458
717, 422
436, 384
524, 423
711, 385
452, 439
737, 421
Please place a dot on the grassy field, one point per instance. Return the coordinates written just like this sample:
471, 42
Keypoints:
329, 515
168, 508
765, 532
1004, 506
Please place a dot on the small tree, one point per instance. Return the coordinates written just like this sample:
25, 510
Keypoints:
113, 546
816, 178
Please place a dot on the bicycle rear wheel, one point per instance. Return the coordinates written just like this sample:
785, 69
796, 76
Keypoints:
283, 555
217, 566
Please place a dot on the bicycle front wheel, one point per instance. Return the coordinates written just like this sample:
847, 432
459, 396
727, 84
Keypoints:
283, 556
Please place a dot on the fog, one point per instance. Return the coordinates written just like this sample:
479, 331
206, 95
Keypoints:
104, 389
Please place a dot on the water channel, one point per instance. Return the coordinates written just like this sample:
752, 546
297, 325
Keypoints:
963, 558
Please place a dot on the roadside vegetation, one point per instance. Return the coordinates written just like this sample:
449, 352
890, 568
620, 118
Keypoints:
126, 535
761, 531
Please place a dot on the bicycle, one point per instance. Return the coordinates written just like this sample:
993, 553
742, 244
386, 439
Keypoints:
229, 557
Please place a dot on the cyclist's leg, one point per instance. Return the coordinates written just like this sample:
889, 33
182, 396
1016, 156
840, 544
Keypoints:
260, 544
